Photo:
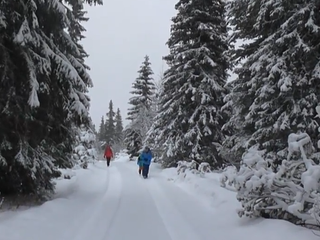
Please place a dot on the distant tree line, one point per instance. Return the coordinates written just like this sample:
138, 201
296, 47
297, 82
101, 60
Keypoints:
111, 129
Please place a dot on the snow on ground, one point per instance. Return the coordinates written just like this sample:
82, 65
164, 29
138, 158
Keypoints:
224, 203
115, 203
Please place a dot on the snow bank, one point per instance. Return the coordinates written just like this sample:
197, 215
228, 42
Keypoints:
203, 182
62, 216
223, 202
290, 193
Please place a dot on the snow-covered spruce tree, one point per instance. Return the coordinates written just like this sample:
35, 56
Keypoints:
132, 141
118, 127
231, 157
110, 125
118, 136
277, 88
85, 151
188, 125
140, 114
101, 132
151, 134
43, 84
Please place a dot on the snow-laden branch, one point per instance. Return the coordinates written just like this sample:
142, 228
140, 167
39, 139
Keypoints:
291, 192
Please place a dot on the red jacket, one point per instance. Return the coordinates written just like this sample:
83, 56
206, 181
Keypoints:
108, 152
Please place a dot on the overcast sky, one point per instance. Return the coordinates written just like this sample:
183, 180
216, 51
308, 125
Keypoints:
119, 34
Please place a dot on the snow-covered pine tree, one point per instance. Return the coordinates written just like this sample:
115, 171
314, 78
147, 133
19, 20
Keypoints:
118, 134
189, 122
151, 134
118, 127
277, 88
110, 125
143, 89
231, 157
102, 130
44, 84
140, 114
85, 151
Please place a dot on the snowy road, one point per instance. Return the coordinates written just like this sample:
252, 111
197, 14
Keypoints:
135, 208
112, 203
115, 203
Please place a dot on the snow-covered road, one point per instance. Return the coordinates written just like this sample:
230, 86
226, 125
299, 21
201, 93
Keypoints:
115, 203
134, 208
112, 203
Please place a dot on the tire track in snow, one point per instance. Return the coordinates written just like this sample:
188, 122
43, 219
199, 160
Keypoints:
118, 198
176, 225
137, 216
200, 218
104, 209
83, 216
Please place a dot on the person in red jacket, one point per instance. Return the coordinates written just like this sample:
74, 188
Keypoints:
108, 154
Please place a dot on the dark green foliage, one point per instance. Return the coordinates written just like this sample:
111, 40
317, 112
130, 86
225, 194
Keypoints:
110, 131
43, 86
189, 121
277, 89
140, 113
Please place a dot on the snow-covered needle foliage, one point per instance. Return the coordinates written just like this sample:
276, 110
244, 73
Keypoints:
278, 85
85, 151
184, 168
291, 192
189, 121
43, 88
141, 113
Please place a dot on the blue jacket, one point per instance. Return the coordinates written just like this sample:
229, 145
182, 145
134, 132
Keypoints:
146, 157
139, 161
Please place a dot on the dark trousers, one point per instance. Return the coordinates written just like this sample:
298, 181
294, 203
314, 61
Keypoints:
145, 170
108, 161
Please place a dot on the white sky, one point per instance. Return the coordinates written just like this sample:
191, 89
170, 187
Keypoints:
119, 34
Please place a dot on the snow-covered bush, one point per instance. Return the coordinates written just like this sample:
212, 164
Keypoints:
67, 173
85, 151
228, 176
185, 167
289, 193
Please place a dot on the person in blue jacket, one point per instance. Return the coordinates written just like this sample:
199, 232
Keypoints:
145, 159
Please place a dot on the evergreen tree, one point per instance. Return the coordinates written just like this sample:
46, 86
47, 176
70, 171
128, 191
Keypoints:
110, 125
151, 134
118, 127
277, 88
188, 125
140, 113
143, 89
102, 130
43, 84
84, 151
